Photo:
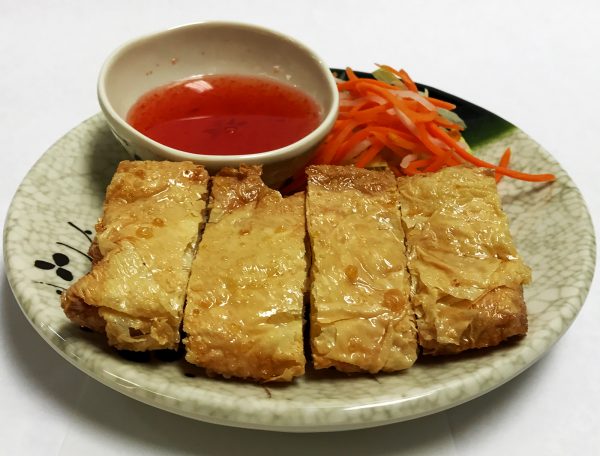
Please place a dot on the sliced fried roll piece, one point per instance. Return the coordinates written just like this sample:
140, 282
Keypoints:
143, 251
361, 318
467, 275
244, 310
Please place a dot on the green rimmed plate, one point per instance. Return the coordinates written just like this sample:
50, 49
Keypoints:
50, 225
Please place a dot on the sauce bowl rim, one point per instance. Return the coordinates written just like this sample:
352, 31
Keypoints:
292, 150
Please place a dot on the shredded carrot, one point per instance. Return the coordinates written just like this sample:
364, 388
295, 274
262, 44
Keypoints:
330, 147
441, 103
499, 169
504, 161
401, 126
350, 74
408, 81
365, 114
415, 167
351, 84
367, 156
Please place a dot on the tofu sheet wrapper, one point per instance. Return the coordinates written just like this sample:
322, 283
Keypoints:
361, 317
466, 273
142, 255
244, 312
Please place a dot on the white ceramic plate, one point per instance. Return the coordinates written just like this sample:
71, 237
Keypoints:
49, 229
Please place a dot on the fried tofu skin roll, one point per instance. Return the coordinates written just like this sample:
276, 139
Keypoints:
143, 251
466, 274
244, 312
361, 317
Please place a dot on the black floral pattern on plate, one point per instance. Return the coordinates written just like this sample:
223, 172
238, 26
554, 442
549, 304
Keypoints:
59, 260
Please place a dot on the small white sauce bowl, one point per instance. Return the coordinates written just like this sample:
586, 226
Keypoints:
215, 48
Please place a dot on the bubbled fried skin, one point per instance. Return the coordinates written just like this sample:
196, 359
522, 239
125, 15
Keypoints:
466, 273
244, 311
142, 255
361, 318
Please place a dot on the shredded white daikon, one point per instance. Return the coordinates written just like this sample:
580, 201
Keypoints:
357, 150
414, 96
408, 159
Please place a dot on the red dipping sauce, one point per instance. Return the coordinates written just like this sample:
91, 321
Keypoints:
225, 115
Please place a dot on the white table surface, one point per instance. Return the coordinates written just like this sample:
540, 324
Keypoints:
536, 64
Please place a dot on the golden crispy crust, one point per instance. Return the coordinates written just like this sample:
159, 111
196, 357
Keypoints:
244, 309
94, 251
141, 255
498, 315
340, 178
361, 318
466, 273
235, 187
81, 313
